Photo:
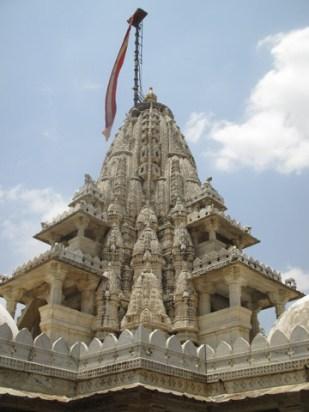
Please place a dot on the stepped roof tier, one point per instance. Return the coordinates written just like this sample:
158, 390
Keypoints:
146, 244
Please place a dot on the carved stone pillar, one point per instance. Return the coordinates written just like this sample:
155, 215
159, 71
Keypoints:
81, 225
56, 280
11, 306
205, 300
255, 324
204, 303
212, 228
235, 294
12, 298
234, 282
280, 307
98, 236
87, 290
279, 299
212, 234
111, 320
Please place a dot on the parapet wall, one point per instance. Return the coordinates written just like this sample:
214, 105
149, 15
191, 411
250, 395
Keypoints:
283, 359
156, 346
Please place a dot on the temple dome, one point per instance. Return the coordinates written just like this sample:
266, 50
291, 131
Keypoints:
5, 317
296, 315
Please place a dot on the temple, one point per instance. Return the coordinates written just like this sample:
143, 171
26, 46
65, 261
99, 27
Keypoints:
146, 292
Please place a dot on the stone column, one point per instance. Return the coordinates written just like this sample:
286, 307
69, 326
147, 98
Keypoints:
55, 281
279, 299
235, 293
205, 300
212, 234
212, 228
255, 324
11, 304
87, 290
81, 225
280, 307
12, 298
54, 238
204, 303
234, 283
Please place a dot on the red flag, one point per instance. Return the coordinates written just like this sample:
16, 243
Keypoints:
110, 98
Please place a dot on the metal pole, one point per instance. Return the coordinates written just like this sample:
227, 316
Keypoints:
136, 66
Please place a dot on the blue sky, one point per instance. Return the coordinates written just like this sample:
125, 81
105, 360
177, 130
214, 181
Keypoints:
235, 74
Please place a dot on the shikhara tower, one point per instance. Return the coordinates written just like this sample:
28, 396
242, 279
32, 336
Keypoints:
145, 300
146, 244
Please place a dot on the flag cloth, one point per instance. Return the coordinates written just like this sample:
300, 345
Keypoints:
110, 98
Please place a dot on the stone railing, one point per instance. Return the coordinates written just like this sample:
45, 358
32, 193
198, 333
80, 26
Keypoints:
92, 263
207, 191
215, 260
83, 207
153, 347
271, 354
210, 211
89, 188
36, 261
263, 356
58, 251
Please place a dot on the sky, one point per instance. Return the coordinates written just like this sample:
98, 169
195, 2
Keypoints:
234, 73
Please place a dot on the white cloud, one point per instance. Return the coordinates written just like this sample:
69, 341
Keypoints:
301, 277
22, 210
196, 126
275, 132
43, 202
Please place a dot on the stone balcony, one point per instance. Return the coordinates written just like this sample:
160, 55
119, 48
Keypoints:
63, 254
74, 219
226, 324
217, 223
71, 324
223, 257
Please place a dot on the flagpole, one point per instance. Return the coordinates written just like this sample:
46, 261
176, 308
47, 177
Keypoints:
136, 66
110, 97
138, 17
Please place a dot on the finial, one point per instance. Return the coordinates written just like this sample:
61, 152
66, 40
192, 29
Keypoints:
150, 96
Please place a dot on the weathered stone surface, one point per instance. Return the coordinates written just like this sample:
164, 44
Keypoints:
259, 342
60, 346
144, 266
95, 345
5, 332
42, 341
